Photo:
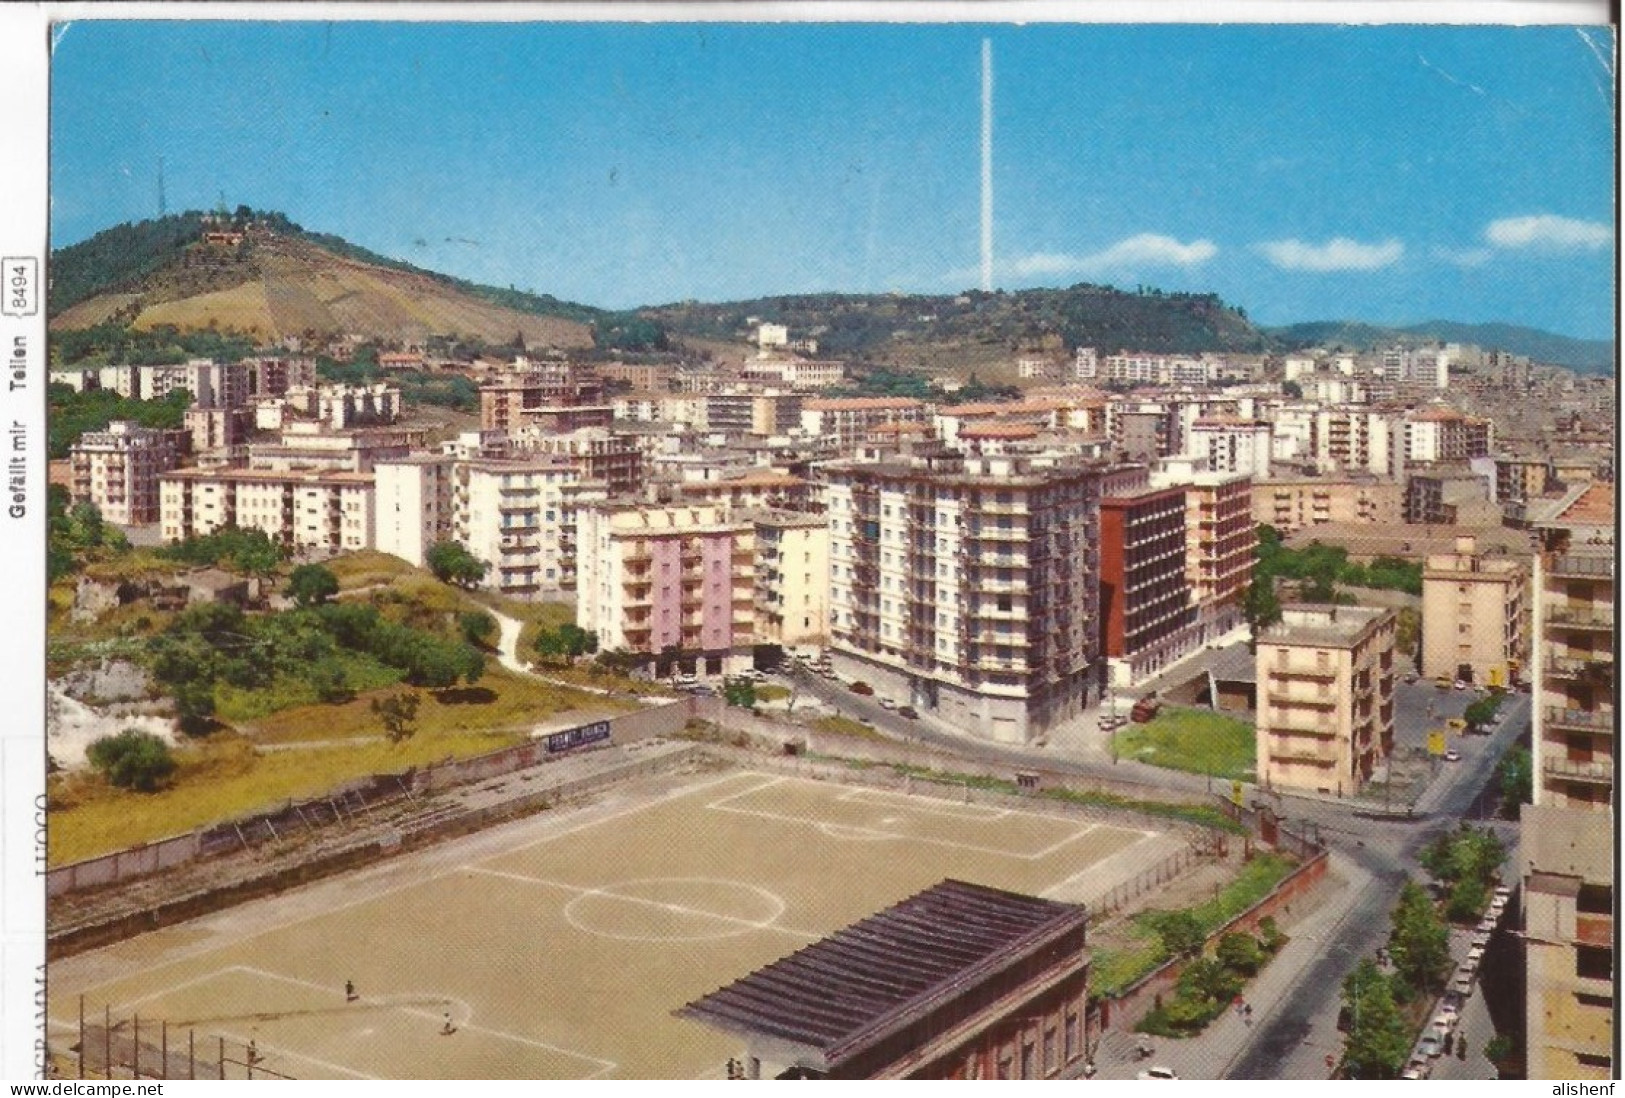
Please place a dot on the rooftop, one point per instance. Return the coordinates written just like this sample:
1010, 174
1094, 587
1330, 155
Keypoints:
840, 994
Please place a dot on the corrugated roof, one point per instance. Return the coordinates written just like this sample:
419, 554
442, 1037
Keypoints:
831, 993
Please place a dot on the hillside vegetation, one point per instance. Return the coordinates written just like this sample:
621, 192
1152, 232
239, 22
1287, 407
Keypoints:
281, 281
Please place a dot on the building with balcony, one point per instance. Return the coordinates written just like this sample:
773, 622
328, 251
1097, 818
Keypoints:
792, 578
1293, 503
850, 420
1475, 615
323, 512
557, 396
117, 470
520, 516
413, 509
1220, 539
1147, 614
676, 584
968, 586
1325, 698
1233, 445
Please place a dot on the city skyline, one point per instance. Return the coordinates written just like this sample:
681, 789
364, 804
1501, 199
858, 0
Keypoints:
1387, 174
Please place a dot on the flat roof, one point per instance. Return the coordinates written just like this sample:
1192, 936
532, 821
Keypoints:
841, 990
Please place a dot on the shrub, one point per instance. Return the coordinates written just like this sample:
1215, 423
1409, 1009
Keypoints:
1240, 953
133, 760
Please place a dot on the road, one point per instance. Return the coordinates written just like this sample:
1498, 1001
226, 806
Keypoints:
1297, 1031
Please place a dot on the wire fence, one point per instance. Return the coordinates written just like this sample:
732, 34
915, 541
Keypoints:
133, 1048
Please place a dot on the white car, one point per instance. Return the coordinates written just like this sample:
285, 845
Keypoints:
1463, 984
1157, 1073
1475, 955
1430, 1047
887, 703
1502, 892
1452, 756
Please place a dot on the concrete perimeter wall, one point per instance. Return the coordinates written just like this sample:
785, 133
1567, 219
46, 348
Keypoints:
341, 803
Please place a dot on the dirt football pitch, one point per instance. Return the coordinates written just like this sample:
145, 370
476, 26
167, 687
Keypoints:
560, 945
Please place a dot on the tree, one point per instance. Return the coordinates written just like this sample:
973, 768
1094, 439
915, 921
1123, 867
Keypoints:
194, 706
1240, 952
1420, 941
453, 564
133, 760
1292, 389
1378, 1042
399, 715
740, 692
1481, 713
330, 684
1261, 607
1468, 899
1208, 980
1516, 775
312, 585
1407, 630
477, 627
1181, 933
565, 643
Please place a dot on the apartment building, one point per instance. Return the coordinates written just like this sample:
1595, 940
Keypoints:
547, 394
274, 375
1147, 614
747, 413
218, 428
520, 516
1325, 698
311, 447
792, 578
1442, 434
117, 470
1356, 439
326, 511
849, 420
413, 511
345, 406
1444, 494
1220, 539
1231, 444
968, 586
674, 583
1568, 847
1086, 364
798, 373
1475, 615
1293, 503
614, 460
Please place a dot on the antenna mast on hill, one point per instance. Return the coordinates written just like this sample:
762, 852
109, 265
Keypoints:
163, 207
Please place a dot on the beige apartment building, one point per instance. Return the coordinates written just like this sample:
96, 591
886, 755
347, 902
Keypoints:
1293, 503
1569, 856
792, 578
117, 470
1325, 698
849, 420
519, 516
413, 510
677, 584
320, 511
1475, 609
968, 586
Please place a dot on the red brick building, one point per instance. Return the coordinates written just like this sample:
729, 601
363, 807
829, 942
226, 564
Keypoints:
960, 981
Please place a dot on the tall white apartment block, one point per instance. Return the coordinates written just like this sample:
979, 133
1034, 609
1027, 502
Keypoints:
118, 469
414, 505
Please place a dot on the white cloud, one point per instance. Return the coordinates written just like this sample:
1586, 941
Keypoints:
1549, 232
1337, 254
1465, 257
1143, 250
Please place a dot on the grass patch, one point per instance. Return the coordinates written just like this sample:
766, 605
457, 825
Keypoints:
1198, 741
367, 568
1116, 969
846, 726
361, 673
772, 693
500, 701
225, 777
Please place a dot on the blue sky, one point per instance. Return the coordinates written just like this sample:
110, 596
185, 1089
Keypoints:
1392, 175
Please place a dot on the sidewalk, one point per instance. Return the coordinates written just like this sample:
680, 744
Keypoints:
1210, 1054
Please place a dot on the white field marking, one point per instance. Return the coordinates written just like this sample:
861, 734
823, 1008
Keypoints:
949, 843
287, 1055
465, 1022
1097, 869
201, 951
926, 804
1087, 829
769, 784
857, 834
212, 974
605, 892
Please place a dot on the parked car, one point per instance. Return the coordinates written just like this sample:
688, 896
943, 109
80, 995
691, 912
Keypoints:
1430, 1047
1410, 676
887, 703
1463, 984
1502, 892
863, 688
1461, 684
1452, 756
1158, 1072
1442, 683
1414, 1071
1475, 954
908, 711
